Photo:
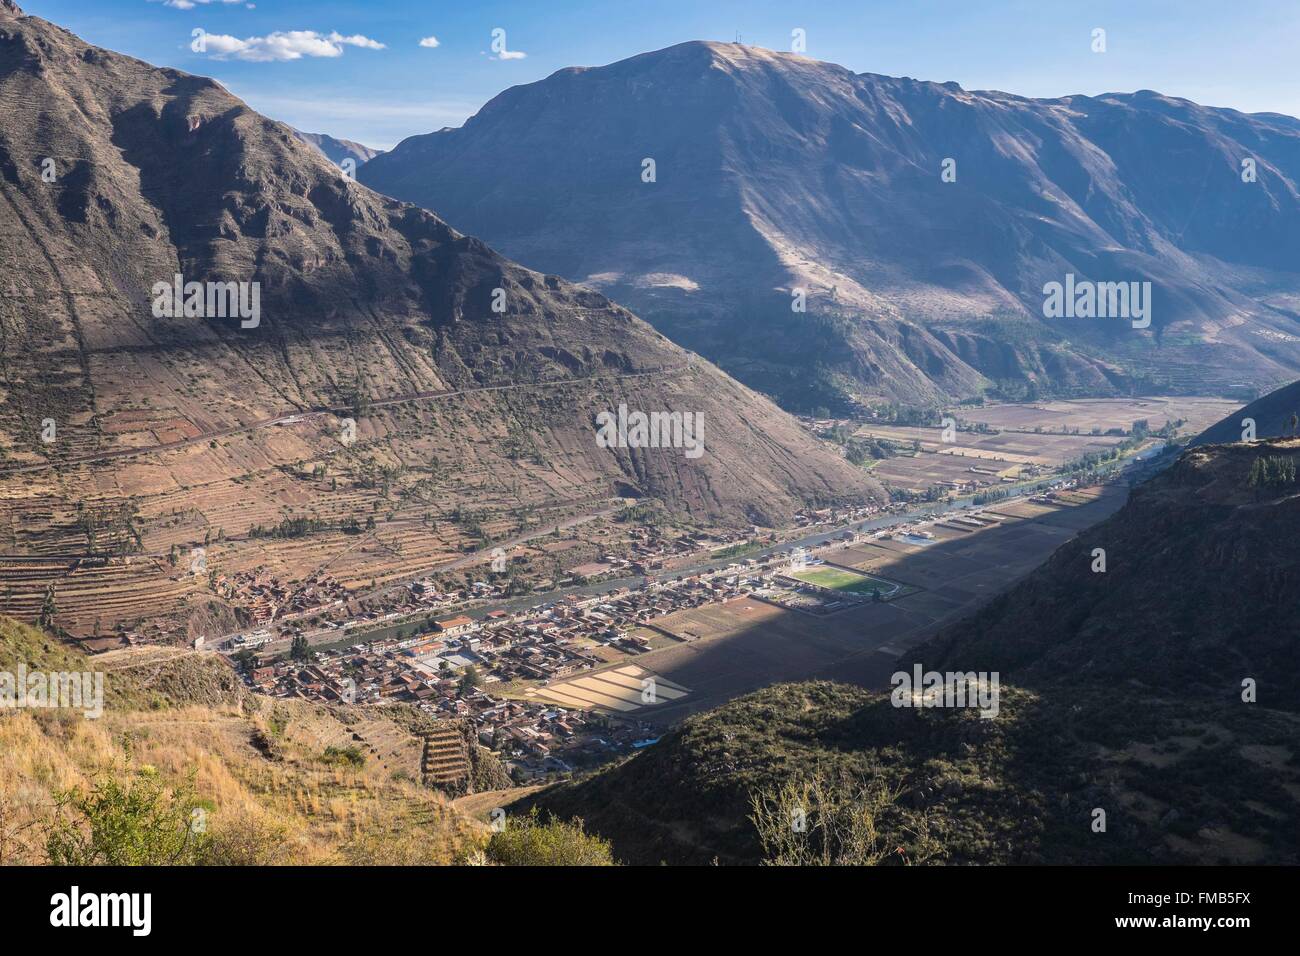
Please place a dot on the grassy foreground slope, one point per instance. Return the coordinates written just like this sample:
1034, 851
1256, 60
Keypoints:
1161, 692
279, 781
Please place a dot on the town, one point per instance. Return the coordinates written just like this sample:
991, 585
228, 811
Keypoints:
495, 669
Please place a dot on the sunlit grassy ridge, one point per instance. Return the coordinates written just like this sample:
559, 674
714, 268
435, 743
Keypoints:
259, 768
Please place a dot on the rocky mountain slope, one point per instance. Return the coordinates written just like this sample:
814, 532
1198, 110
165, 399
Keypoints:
337, 150
1162, 691
775, 172
394, 371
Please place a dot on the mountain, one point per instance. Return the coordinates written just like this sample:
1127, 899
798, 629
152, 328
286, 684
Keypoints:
775, 172
337, 150
1271, 414
1122, 690
1200, 587
393, 395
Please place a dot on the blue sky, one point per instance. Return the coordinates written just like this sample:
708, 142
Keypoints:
314, 63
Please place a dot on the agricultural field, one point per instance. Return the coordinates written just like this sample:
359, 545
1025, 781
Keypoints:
733, 648
624, 690
277, 507
1103, 413
1000, 452
1031, 440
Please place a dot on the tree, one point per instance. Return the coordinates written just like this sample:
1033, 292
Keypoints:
49, 608
299, 649
468, 680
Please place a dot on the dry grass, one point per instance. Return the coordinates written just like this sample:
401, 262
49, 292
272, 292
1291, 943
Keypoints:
289, 808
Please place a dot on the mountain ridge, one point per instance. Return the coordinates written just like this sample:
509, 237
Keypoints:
337, 150
116, 176
1270, 413
776, 171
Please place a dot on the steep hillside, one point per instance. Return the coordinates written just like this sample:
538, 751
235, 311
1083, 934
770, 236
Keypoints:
1201, 589
1271, 415
774, 172
388, 371
1126, 691
280, 781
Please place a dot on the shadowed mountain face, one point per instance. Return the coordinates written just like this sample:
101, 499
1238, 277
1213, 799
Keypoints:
774, 172
1271, 414
117, 175
1201, 580
1161, 690
337, 150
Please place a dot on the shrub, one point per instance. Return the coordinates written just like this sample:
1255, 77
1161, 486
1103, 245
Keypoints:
528, 841
344, 756
136, 822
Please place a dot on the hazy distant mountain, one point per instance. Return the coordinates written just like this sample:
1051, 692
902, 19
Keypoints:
1122, 690
337, 150
1271, 414
116, 175
774, 171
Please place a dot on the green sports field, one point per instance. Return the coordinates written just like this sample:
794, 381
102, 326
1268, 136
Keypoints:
850, 582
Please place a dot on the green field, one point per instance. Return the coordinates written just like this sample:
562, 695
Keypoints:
850, 582
736, 550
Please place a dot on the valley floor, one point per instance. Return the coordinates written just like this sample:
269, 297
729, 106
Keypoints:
724, 650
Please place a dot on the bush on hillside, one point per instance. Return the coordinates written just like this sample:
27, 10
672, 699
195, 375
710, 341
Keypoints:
528, 841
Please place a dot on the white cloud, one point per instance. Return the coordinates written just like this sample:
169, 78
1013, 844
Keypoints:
356, 40
429, 42
511, 55
284, 45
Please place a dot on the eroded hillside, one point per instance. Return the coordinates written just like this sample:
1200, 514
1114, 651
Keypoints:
402, 392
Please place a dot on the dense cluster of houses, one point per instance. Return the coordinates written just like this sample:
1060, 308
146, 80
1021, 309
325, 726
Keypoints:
266, 598
480, 669
453, 670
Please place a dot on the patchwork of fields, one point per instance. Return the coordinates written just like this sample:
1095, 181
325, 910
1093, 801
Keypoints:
620, 690
1065, 433
1104, 413
729, 649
